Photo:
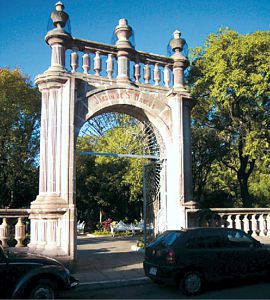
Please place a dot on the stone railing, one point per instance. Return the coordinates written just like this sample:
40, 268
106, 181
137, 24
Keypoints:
100, 60
12, 225
255, 221
119, 63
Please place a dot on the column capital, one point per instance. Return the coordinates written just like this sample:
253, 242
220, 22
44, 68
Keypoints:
51, 79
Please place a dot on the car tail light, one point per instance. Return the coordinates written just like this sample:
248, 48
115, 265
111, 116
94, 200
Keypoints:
170, 257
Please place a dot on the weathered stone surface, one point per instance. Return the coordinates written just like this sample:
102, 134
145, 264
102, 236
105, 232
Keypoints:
70, 98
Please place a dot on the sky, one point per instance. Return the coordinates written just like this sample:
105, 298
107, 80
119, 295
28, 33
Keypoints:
23, 24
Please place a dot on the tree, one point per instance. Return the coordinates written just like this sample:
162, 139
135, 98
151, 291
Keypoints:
230, 79
19, 139
206, 149
112, 184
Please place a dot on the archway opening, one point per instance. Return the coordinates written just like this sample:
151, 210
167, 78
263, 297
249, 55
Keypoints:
120, 171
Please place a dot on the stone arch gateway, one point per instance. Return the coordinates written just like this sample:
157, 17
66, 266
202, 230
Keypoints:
147, 86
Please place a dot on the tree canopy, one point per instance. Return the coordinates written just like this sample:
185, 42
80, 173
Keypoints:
112, 184
230, 79
19, 139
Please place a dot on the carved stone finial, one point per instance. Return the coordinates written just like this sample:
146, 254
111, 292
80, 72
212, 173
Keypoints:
177, 43
177, 34
59, 6
58, 16
123, 32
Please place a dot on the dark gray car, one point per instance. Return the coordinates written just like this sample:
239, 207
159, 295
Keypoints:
195, 256
32, 277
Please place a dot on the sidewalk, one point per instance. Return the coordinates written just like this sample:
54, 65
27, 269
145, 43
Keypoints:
108, 262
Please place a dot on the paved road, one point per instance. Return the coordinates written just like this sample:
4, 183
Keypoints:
259, 290
108, 269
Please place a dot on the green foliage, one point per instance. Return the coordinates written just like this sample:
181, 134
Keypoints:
19, 139
111, 185
230, 79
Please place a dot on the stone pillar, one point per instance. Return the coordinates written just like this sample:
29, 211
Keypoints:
179, 151
123, 32
53, 214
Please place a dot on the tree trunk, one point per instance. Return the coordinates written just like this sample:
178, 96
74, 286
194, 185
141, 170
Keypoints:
244, 192
245, 170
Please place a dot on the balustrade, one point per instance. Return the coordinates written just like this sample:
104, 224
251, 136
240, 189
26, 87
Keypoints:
255, 221
13, 226
91, 58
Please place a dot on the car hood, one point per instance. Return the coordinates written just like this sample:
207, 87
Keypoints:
34, 258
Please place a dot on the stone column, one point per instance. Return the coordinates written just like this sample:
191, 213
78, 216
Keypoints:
179, 162
53, 214
179, 155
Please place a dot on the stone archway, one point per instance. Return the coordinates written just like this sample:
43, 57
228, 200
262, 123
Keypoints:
69, 98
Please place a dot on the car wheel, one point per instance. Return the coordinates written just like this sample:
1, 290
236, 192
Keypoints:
43, 289
191, 284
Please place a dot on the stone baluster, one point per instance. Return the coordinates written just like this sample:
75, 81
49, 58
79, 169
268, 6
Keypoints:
230, 221
238, 223
4, 232
267, 220
261, 223
254, 225
86, 63
166, 76
146, 73
156, 74
97, 64
19, 233
137, 72
222, 222
74, 61
246, 224
109, 63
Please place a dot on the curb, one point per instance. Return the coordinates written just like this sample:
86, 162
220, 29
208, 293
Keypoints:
137, 249
113, 283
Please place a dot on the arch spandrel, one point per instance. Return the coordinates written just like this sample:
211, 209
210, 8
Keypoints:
141, 105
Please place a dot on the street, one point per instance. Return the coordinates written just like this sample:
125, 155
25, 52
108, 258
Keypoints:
259, 290
107, 268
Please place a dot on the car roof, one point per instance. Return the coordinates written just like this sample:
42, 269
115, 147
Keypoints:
203, 229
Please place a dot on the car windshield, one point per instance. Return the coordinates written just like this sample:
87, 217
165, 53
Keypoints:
167, 239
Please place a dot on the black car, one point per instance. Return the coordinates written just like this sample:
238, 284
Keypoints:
32, 277
192, 257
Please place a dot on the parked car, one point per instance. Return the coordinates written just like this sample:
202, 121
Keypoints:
195, 256
32, 277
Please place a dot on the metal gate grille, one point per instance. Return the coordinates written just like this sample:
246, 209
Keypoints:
154, 199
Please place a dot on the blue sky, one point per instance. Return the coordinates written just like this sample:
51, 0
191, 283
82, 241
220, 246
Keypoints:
23, 24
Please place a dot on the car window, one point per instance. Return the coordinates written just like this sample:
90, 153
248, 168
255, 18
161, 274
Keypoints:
206, 241
167, 239
239, 238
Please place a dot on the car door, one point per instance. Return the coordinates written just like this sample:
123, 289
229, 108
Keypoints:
205, 253
241, 254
